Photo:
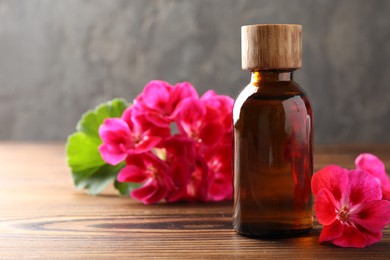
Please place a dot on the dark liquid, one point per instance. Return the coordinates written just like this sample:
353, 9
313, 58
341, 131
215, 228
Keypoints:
273, 161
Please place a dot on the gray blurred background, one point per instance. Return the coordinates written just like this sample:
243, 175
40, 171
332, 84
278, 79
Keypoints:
60, 58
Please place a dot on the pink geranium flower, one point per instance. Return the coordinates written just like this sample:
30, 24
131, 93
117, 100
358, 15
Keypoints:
348, 204
220, 173
148, 169
197, 186
159, 100
193, 164
131, 134
199, 122
375, 167
116, 137
222, 104
180, 155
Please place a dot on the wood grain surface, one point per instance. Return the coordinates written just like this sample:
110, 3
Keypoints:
44, 217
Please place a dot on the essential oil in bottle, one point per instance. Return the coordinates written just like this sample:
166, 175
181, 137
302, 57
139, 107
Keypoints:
273, 161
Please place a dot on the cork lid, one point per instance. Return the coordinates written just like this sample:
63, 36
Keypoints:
271, 46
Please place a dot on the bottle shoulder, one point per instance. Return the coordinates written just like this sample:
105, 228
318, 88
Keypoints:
271, 94
271, 90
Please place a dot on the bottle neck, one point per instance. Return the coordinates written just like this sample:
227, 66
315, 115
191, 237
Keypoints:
272, 75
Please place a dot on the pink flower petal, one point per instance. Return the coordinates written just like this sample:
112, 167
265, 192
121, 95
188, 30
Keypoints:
325, 207
331, 231
180, 92
110, 157
222, 103
375, 166
372, 164
157, 119
145, 133
209, 95
351, 237
116, 138
211, 133
179, 147
130, 112
132, 173
372, 215
180, 173
198, 185
386, 192
113, 125
362, 187
147, 143
190, 117
156, 94
180, 155
333, 178
148, 193
191, 111
151, 170
184, 90
220, 189
372, 238
156, 196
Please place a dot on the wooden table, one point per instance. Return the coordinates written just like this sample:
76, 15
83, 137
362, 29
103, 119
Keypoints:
43, 216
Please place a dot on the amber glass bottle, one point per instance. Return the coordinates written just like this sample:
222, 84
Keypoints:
273, 137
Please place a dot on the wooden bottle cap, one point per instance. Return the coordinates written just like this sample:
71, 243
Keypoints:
271, 46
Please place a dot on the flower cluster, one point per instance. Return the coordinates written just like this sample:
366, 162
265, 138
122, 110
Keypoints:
353, 205
176, 144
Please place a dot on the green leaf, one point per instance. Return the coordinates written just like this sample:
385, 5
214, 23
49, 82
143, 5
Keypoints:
125, 188
83, 153
89, 171
98, 181
92, 119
